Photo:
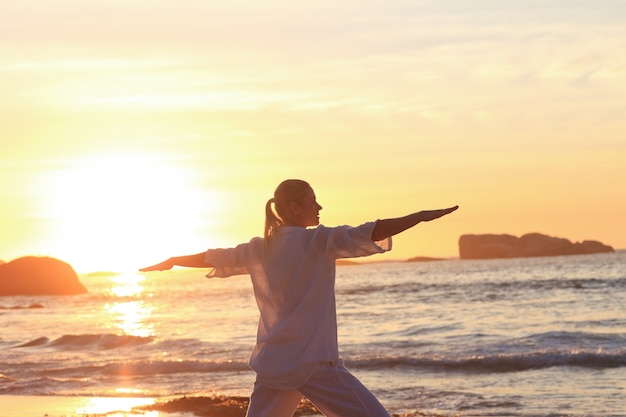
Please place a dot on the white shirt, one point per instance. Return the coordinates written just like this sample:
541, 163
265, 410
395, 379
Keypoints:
294, 286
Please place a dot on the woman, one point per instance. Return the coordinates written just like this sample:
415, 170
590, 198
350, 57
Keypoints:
292, 269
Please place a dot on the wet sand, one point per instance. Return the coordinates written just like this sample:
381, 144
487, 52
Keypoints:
55, 406
218, 406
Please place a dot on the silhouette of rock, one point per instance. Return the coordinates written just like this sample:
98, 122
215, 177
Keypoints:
39, 276
488, 246
423, 259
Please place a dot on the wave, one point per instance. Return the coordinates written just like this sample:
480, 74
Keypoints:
500, 363
174, 367
489, 289
88, 341
33, 377
28, 307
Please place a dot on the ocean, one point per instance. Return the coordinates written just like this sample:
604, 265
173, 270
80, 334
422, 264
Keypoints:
524, 337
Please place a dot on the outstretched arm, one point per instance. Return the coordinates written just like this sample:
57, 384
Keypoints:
191, 261
389, 227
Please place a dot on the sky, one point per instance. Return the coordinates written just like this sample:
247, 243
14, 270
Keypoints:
136, 130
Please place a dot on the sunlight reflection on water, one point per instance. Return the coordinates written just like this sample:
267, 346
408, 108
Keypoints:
127, 285
130, 316
116, 407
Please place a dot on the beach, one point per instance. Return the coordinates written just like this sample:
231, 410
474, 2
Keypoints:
55, 406
51, 406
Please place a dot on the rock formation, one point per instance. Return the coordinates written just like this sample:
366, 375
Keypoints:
39, 276
487, 246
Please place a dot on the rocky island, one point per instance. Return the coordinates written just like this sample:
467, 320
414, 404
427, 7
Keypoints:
486, 246
32, 275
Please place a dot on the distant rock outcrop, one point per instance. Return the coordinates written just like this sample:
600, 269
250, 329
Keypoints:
39, 276
424, 259
488, 246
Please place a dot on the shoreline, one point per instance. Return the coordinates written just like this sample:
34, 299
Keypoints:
84, 406
70, 406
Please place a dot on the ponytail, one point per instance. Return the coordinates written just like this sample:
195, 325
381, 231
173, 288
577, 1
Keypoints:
272, 221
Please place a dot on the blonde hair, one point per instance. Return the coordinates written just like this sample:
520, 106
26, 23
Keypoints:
286, 192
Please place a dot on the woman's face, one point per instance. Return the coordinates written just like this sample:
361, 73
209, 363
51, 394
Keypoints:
307, 211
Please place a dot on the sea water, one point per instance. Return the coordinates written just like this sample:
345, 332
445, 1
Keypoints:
509, 337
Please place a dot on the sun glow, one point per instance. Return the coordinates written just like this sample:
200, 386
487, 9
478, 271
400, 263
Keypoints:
117, 211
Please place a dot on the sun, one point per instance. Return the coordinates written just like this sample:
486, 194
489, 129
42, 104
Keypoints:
114, 212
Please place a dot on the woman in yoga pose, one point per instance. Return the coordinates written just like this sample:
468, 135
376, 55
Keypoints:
292, 268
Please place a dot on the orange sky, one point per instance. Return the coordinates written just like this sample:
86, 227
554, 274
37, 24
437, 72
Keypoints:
136, 130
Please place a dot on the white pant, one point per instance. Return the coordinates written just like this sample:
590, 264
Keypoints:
332, 389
